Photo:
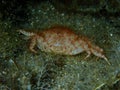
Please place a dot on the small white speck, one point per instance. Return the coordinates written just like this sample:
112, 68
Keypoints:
29, 87
18, 79
111, 34
39, 10
33, 10
94, 20
4, 72
26, 73
62, 14
52, 8
16, 40
31, 23
11, 61
57, 44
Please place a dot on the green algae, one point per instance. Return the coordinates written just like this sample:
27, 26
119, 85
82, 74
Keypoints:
21, 69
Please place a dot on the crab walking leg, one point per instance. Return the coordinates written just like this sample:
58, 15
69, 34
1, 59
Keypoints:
88, 54
32, 44
107, 60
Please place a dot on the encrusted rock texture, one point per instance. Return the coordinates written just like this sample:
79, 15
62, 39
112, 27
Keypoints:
21, 69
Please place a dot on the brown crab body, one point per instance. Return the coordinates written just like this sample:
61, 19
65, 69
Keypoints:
62, 40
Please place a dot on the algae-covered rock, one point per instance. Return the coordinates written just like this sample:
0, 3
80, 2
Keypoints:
90, 6
22, 70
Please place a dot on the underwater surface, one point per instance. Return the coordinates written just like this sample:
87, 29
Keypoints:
21, 69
